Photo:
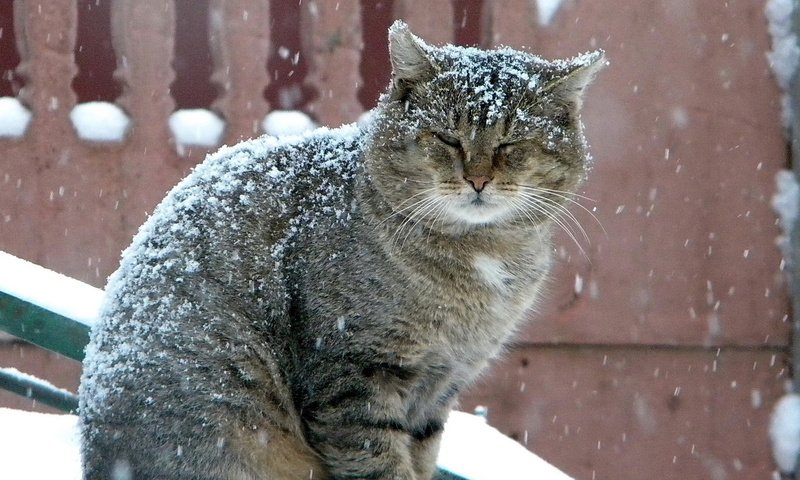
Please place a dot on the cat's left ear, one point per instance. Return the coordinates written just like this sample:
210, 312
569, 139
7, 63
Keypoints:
411, 64
575, 76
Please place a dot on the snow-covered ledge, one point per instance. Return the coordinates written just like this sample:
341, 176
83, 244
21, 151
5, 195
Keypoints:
282, 123
14, 117
473, 450
101, 122
49, 290
39, 445
196, 127
470, 449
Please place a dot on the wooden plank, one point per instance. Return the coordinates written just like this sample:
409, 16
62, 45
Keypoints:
510, 22
143, 33
685, 131
61, 180
705, 237
19, 225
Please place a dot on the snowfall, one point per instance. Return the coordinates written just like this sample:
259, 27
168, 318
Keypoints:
470, 447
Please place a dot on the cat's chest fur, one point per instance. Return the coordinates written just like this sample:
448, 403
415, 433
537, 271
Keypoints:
487, 295
430, 303
428, 316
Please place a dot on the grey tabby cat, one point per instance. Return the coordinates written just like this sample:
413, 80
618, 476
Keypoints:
309, 308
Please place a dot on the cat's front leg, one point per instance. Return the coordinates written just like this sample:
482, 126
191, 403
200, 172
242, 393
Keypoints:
363, 451
424, 452
355, 443
426, 439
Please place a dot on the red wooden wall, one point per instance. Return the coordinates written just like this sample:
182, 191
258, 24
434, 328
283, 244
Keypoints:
659, 352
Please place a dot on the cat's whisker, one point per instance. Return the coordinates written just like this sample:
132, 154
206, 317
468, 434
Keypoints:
565, 220
545, 193
420, 214
563, 193
520, 209
420, 210
407, 207
408, 219
567, 196
566, 228
433, 208
443, 205
538, 205
561, 211
422, 192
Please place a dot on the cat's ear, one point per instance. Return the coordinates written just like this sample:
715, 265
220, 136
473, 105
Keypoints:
411, 64
574, 76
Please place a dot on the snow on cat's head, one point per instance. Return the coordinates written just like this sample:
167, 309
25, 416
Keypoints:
468, 137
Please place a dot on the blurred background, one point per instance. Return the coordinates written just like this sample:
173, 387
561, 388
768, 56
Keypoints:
664, 340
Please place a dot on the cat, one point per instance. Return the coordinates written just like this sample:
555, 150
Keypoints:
310, 307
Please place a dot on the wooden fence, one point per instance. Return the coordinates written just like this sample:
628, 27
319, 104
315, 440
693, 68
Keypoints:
660, 351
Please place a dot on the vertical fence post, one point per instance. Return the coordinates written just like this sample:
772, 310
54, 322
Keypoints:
240, 44
436, 29
509, 22
332, 42
143, 33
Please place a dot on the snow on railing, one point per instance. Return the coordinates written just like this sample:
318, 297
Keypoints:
37, 389
49, 290
144, 37
45, 308
50, 310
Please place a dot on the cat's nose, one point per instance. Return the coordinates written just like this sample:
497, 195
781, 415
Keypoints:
478, 182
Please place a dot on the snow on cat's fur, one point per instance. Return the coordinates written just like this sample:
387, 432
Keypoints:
313, 306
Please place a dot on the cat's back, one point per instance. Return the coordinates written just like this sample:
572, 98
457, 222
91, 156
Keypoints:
257, 194
202, 266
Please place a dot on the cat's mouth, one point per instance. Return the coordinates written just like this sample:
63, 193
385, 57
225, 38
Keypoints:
478, 201
478, 208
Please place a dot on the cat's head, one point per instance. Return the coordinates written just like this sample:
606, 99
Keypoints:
466, 138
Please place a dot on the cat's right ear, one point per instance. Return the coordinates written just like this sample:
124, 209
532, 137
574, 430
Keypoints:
411, 64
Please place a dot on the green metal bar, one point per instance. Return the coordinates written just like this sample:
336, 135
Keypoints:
39, 390
42, 327
445, 475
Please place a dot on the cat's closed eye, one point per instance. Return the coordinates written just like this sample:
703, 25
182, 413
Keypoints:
448, 139
507, 147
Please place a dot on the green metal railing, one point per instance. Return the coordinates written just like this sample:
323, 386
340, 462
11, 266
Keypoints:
42, 327
39, 390
48, 330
